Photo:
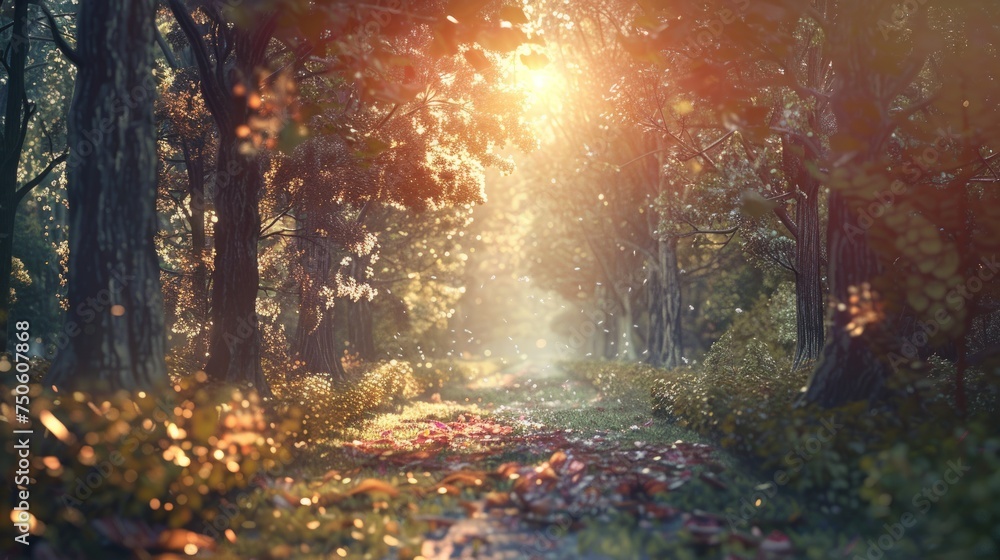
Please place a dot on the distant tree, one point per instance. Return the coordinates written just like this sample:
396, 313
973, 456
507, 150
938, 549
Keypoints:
18, 112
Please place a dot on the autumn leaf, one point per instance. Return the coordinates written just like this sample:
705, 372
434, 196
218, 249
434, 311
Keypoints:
374, 486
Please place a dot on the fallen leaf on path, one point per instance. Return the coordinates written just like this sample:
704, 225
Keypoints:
374, 486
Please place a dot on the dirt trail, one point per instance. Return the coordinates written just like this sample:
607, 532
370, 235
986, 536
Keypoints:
574, 462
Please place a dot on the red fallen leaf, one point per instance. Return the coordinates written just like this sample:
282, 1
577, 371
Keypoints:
468, 478
547, 474
626, 488
372, 486
523, 484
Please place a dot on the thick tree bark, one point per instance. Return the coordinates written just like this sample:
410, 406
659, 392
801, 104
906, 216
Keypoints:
849, 370
234, 340
360, 329
115, 320
315, 344
665, 332
16, 117
809, 313
360, 322
194, 158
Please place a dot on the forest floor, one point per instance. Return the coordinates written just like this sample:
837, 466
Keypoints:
530, 462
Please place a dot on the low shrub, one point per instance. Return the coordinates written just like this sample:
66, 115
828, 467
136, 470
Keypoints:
139, 472
616, 380
329, 405
432, 377
866, 468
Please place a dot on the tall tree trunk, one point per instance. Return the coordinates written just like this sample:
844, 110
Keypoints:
609, 328
627, 345
194, 158
10, 155
849, 369
665, 332
361, 328
315, 342
809, 313
115, 304
360, 325
234, 340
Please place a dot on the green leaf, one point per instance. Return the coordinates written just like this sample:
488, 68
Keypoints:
753, 204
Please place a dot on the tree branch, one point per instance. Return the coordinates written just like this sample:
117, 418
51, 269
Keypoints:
68, 51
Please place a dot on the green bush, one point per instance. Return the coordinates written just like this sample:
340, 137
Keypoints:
615, 380
432, 377
143, 471
744, 379
331, 405
943, 503
865, 467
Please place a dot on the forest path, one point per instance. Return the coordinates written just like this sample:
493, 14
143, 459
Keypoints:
567, 472
532, 462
